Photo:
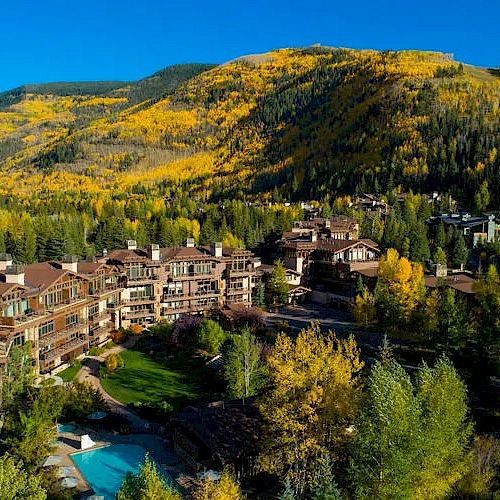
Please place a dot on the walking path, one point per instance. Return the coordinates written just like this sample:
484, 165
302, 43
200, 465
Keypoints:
90, 373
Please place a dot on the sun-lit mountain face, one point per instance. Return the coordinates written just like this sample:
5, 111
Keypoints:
305, 122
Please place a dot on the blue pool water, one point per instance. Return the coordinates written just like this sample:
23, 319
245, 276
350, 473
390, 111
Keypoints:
66, 427
105, 468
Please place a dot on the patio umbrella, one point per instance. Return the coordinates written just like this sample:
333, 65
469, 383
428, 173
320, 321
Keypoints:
97, 415
69, 482
52, 460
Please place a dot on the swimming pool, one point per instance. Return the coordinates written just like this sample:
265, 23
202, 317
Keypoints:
66, 427
105, 468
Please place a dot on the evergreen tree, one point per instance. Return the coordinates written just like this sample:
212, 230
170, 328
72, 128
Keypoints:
277, 285
259, 294
457, 250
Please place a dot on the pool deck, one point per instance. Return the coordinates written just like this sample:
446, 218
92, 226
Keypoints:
69, 443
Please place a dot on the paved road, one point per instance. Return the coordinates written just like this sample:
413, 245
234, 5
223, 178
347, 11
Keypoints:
340, 322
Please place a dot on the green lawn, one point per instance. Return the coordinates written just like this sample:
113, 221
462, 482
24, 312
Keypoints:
147, 380
69, 373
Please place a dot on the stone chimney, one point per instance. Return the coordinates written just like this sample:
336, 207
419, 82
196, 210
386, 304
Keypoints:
131, 245
70, 263
216, 249
190, 243
440, 270
153, 252
5, 261
14, 274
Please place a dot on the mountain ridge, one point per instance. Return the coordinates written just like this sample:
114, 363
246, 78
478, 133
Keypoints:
306, 122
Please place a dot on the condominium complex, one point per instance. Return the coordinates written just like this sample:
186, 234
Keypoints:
65, 307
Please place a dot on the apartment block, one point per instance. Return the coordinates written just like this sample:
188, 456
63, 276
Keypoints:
63, 308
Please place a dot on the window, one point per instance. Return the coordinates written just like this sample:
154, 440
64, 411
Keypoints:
141, 292
180, 268
53, 298
46, 328
135, 272
202, 268
174, 288
72, 319
18, 340
206, 287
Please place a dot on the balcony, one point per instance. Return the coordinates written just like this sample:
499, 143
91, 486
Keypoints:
141, 280
64, 349
237, 291
139, 314
29, 315
139, 300
105, 315
235, 273
192, 276
103, 291
65, 303
102, 330
51, 337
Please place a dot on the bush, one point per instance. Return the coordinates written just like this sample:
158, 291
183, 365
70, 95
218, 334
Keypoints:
136, 329
119, 336
113, 362
158, 411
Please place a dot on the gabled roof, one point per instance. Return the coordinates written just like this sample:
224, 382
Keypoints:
125, 255
9, 287
182, 253
43, 274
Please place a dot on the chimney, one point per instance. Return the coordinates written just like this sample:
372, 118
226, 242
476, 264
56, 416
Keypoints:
70, 263
14, 274
190, 243
131, 245
217, 249
314, 236
104, 252
328, 223
153, 252
5, 261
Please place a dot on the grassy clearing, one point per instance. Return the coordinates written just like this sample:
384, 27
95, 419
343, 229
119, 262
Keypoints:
69, 373
144, 379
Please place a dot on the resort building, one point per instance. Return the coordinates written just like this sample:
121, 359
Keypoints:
62, 308
328, 256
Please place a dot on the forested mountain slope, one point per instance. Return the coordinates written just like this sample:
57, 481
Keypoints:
298, 123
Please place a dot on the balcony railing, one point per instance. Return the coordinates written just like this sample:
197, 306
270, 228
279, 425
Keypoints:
104, 315
237, 291
239, 272
51, 337
138, 314
190, 276
22, 318
139, 300
64, 349
96, 332
140, 279
101, 291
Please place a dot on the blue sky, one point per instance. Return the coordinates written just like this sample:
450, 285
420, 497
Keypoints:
70, 40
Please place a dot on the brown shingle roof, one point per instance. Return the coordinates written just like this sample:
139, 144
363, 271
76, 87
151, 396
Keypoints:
42, 275
460, 282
